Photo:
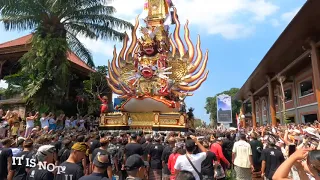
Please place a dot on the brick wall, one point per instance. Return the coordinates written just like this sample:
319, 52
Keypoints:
289, 104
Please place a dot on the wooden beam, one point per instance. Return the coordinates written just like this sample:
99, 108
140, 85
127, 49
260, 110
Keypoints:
253, 111
272, 107
1, 66
315, 61
293, 63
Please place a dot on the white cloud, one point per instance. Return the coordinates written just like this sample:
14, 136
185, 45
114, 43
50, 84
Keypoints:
214, 17
223, 17
288, 16
275, 22
285, 18
3, 84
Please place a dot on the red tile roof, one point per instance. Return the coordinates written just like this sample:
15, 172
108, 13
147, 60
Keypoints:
26, 40
17, 42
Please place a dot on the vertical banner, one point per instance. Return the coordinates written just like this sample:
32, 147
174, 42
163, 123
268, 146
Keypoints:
224, 109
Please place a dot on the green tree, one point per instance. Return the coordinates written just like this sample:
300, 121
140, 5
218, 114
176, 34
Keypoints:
87, 99
56, 25
211, 105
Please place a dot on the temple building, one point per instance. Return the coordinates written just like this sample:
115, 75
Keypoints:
294, 60
12, 51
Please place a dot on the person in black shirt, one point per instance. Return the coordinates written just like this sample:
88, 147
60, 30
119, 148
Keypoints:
72, 169
227, 145
18, 170
256, 148
64, 153
133, 147
103, 150
44, 154
154, 158
272, 158
135, 167
122, 173
100, 164
145, 147
56, 143
207, 168
5, 158
165, 157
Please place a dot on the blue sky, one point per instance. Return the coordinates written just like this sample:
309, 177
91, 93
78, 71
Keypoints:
238, 33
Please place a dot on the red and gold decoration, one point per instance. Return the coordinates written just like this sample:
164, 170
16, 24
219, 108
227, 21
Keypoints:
154, 74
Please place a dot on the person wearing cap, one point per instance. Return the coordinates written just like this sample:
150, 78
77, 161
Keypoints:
102, 150
5, 158
18, 171
191, 161
99, 166
73, 170
45, 154
135, 167
272, 158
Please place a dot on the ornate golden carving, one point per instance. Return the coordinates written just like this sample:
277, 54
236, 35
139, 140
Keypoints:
168, 122
182, 121
142, 119
156, 118
158, 9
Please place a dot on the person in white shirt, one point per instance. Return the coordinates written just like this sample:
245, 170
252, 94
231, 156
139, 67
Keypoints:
242, 159
81, 124
30, 123
44, 121
194, 165
67, 122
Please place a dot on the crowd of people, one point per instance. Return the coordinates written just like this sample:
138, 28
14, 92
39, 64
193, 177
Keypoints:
73, 148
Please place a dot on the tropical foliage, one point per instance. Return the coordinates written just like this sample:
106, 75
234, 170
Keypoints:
211, 105
56, 24
87, 98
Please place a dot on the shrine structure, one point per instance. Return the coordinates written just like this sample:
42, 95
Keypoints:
154, 74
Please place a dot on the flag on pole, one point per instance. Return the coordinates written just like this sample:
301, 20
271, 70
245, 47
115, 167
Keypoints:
238, 121
144, 13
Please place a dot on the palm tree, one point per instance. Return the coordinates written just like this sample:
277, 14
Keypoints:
56, 25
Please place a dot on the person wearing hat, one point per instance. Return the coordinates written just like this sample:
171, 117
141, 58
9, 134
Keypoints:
44, 154
18, 171
135, 167
5, 158
99, 166
72, 168
102, 150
